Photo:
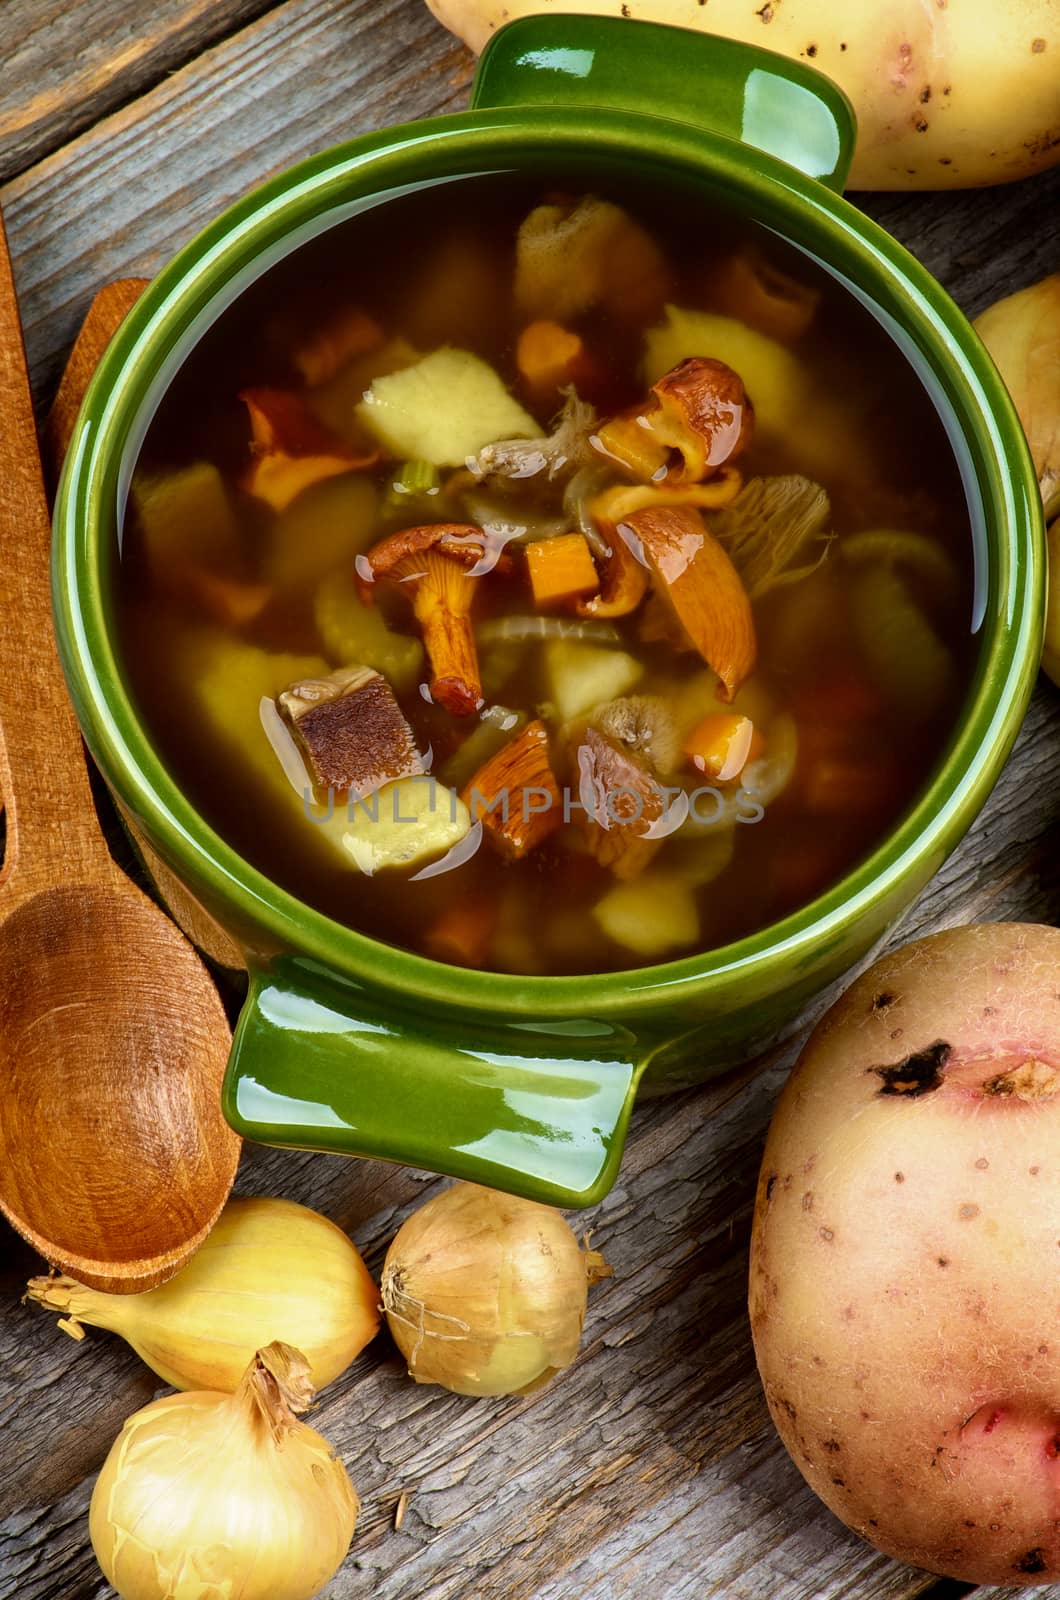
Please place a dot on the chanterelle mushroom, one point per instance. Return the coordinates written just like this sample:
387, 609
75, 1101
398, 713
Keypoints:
291, 448
431, 565
702, 587
625, 579
700, 409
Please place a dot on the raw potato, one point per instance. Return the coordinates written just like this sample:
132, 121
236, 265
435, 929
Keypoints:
904, 1268
948, 96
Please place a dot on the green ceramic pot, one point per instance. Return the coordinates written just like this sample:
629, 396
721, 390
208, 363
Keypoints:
346, 1044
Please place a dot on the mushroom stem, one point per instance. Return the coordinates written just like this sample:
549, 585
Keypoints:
450, 641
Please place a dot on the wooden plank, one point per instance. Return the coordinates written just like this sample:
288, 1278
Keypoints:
119, 200
651, 1464
63, 66
653, 1457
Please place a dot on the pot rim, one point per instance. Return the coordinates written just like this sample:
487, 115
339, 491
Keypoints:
1004, 506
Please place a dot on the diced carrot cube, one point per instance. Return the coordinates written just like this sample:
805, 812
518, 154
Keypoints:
561, 569
549, 356
462, 933
721, 745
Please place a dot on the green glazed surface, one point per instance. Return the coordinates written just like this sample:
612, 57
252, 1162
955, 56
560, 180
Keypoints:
526, 1083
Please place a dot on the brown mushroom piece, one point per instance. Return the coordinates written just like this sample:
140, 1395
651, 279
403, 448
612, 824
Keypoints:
432, 566
696, 578
291, 447
700, 410
515, 795
622, 800
351, 731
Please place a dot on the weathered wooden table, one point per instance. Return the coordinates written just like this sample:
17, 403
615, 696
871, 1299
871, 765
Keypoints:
652, 1466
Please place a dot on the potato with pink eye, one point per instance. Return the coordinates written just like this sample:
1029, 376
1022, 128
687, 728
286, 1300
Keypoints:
905, 1258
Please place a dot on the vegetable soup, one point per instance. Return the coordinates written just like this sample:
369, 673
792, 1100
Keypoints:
544, 582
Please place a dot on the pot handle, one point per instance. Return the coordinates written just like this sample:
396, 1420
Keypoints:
719, 85
538, 1109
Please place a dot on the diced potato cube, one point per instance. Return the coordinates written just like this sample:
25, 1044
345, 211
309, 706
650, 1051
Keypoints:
650, 915
443, 409
581, 676
324, 527
404, 824
187, 518
777, 382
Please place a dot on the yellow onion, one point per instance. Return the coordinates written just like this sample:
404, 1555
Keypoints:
269, 1269
210, 1496
485, 1294
1022, 333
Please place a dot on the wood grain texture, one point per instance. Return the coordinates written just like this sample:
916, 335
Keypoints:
651, 1463
119, 200
63, 66
114, 1157
651, 1466
105, 316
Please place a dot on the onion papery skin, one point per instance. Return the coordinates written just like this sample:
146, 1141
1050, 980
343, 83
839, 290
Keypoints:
486, 1293
200, 1499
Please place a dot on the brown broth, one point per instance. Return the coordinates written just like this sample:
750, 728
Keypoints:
436, 267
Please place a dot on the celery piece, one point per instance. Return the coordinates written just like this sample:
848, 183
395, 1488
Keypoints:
403, 824
351, 631
581, 676
186, 518
913, 553
327, 525
415, 493
650, 915
443, 409
490, 736
908, 661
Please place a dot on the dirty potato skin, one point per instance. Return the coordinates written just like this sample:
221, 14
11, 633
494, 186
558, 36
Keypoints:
905, 1262
949, 94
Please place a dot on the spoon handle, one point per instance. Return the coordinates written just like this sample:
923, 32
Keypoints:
52, 832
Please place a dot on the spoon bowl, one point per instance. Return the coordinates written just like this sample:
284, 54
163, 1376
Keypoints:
115, 1159
104, 1168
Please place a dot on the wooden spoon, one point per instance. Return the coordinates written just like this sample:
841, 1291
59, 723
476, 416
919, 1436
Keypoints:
105, 315
115, 1159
